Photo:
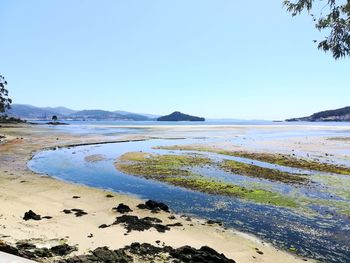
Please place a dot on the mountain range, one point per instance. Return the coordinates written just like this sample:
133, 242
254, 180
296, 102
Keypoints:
342, 114
29, 112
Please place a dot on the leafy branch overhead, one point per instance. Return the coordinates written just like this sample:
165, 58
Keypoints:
5, 101
335, 21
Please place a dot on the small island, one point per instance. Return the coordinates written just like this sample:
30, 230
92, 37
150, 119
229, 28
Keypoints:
178, 116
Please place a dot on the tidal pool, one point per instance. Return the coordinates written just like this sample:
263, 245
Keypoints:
323, 234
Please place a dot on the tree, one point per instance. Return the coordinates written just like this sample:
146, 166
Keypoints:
336, 22
5, 101
54, 118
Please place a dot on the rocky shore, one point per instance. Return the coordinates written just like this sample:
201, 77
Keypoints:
144, 252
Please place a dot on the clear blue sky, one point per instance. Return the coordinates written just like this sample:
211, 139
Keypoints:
218, 59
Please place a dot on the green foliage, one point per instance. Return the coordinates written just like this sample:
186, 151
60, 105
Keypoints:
6, 119
331, 113
336, 21
5, 101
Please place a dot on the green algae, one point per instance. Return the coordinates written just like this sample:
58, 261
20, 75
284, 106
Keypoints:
154, 166
222, 188
336, 186
279, 159
252, 170
339, 185
261, 172
173, 169
176, 170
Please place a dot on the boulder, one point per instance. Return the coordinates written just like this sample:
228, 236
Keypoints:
121, 208
30, 215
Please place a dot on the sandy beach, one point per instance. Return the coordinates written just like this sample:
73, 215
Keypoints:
22, 190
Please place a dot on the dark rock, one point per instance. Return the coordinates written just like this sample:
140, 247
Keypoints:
175, 224
149, 253
172, 217
30, 251
76, 197
103, 226
63, 250
109, 196
106, 255
140, 224
183, 254
8, 249
78, 212
46, 217
80, 259
31, 215
21, 245
42, 253
146, 249
141, 206
204, 254
153, 219
121, 208
154, 206
101, 255
212, 222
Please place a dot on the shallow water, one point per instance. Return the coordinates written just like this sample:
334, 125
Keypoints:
323, 235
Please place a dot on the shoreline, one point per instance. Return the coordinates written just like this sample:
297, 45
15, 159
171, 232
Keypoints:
50, 196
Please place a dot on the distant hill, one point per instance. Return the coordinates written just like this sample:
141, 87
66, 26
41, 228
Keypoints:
29, 112
151, 116
106, 115
342, 114
60, 110
178, 116
94, 114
